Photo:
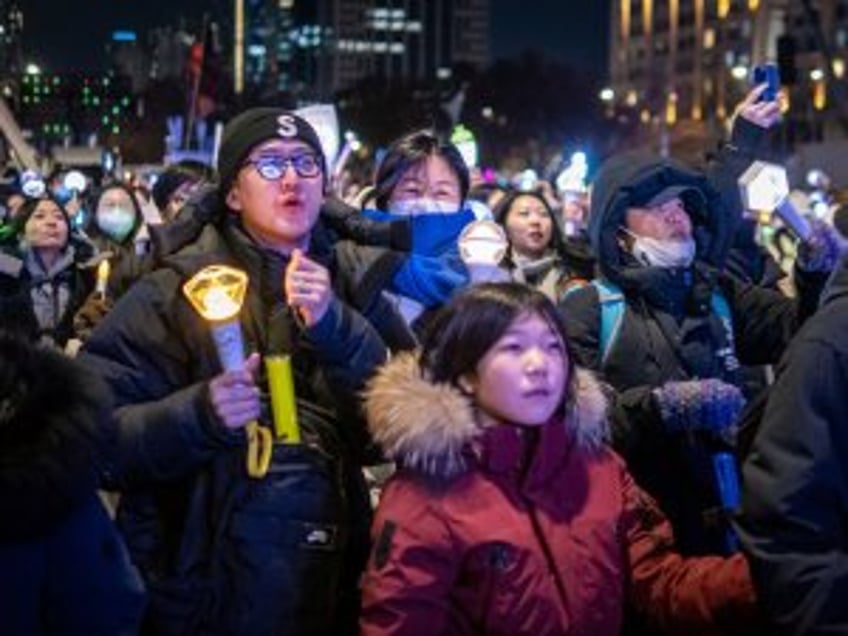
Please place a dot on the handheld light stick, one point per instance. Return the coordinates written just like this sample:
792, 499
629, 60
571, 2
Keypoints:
103, 269
482, 246
764, 186
217, 294
482, 243
727, 481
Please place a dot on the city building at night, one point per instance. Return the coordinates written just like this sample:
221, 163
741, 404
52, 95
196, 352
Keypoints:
690, 61
420, 40
324, 46
11, 34
72, 108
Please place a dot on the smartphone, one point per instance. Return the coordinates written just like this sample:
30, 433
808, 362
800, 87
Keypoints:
767, 74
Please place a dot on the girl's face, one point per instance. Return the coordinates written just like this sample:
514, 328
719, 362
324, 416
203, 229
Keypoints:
46, 227
529, 226
521, 379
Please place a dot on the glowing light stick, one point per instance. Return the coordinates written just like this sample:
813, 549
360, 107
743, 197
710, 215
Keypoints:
764, 186
103, 269
482, 246
217, 294
482, 243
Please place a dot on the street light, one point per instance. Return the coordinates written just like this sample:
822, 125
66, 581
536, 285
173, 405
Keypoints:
607, 95
739, 72
32, 69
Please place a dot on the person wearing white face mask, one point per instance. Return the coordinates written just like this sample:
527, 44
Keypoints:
669, 330
660, 233
117, 229
421, 183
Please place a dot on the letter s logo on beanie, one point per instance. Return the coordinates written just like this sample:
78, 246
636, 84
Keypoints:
287, 126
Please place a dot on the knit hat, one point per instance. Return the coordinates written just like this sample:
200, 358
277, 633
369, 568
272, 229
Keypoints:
254, 126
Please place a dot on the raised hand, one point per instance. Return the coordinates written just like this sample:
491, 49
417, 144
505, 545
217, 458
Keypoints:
307, 287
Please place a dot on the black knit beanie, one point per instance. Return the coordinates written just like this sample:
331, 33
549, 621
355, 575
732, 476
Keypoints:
254, 126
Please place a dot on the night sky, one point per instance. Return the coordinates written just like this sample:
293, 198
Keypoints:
62, 35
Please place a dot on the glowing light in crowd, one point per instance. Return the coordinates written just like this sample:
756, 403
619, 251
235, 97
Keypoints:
527, 180
466, 143
739, 72
573, 178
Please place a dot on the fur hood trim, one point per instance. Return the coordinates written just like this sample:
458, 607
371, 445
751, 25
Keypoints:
50, 412
427, 426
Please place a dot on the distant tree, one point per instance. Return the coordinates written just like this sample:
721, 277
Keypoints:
524, 109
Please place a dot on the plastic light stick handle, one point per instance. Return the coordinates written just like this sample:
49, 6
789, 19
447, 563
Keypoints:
230, 347
229, 344
727, 480
283, 404
793, 220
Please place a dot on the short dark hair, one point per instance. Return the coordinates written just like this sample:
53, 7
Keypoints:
468, 326
174, 176
410, 150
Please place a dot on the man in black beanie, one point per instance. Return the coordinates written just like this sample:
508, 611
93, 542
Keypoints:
274, 544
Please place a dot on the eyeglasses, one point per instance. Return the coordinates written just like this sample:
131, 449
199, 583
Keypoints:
273, 167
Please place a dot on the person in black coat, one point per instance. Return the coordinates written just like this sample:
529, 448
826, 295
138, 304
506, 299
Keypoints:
794, 520
63, 567
223, 548
46, 273
661, 233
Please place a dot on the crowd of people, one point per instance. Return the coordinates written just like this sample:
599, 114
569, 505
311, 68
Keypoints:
434, 406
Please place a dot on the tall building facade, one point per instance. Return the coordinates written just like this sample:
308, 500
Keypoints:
818, 43
677, 61
685, 58
323, 46
11, 36
408, 39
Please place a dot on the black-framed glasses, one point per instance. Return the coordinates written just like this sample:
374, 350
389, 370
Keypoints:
273, 167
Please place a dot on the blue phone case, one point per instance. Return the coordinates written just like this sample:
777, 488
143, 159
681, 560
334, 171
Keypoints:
767, 74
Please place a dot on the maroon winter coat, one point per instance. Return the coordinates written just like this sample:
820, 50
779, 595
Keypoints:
510, 531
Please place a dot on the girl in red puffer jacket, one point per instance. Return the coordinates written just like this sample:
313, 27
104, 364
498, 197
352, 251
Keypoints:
508, 514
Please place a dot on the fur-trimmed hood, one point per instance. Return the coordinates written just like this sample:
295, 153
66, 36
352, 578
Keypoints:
427, 427
50, 412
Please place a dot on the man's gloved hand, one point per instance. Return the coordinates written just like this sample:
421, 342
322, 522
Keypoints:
699, 405
822, 251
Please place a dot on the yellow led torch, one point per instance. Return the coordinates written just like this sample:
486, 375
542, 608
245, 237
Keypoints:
217, 294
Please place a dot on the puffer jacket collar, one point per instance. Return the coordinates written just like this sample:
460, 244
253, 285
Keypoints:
431, 429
